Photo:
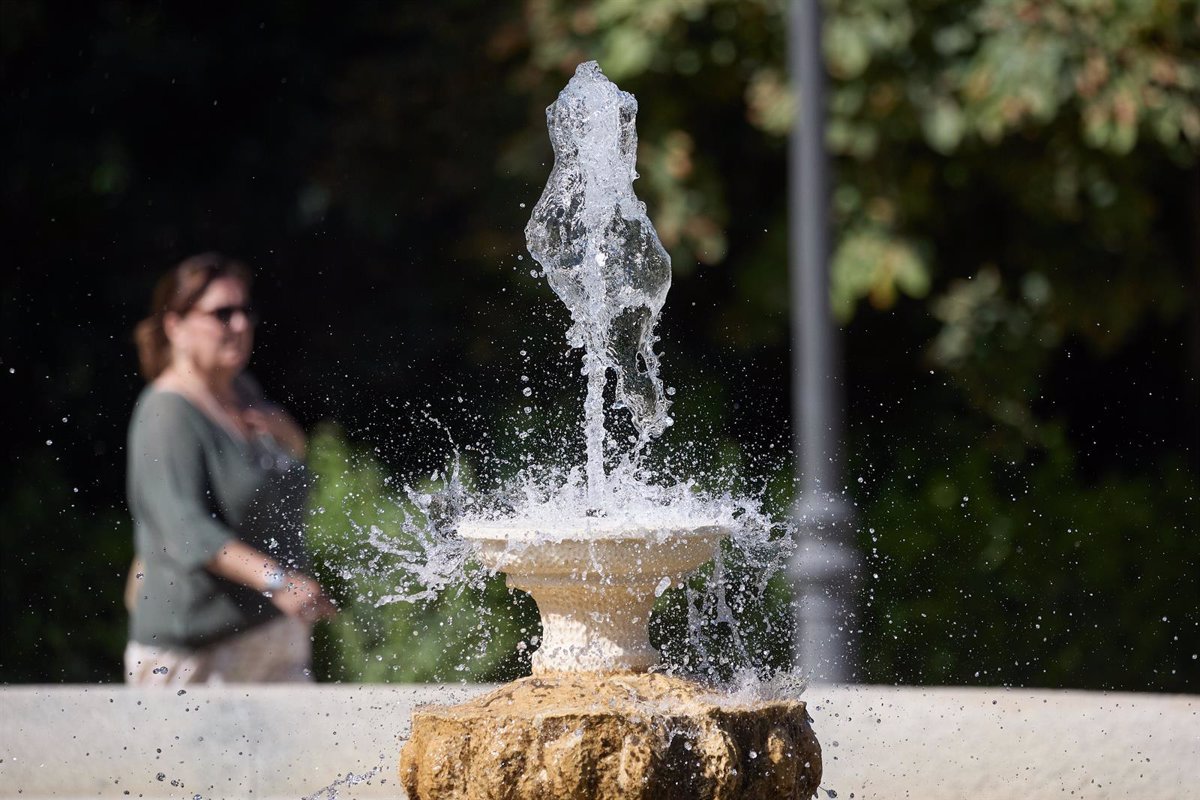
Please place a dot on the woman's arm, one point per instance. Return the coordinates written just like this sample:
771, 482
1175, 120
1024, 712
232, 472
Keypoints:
131, 583
300, 596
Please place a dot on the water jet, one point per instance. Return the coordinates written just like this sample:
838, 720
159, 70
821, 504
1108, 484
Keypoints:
595, 719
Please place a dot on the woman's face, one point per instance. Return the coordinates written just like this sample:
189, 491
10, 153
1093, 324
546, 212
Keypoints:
216, 335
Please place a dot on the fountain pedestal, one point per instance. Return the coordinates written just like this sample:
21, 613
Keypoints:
591, 723
594, 583
583, 736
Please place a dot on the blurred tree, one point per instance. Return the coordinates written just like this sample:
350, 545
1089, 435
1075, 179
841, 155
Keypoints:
1031, 168
1079, 97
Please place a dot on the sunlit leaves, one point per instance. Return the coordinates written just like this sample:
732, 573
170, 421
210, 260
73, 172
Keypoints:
857, 32
944, 125
869, 263
927, 81
770, 103
685, 216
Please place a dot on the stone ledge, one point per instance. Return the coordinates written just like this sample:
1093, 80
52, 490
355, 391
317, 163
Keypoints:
877, 741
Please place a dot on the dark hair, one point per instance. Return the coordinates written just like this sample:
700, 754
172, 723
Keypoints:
176, 292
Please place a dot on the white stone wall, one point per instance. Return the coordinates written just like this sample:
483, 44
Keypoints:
879, 742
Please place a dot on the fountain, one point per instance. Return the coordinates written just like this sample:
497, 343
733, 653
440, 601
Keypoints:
595, 720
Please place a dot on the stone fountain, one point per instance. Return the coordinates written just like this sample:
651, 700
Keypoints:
595, 720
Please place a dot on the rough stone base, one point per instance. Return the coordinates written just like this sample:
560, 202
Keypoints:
603, 737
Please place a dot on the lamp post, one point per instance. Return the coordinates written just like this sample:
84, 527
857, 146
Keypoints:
825, 565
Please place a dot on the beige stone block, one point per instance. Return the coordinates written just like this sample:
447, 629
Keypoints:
581, 736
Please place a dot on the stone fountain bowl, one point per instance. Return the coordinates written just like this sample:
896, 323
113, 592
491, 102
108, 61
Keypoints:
591, 723
587, 547
595, 581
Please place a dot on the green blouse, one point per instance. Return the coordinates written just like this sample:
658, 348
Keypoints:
192, 486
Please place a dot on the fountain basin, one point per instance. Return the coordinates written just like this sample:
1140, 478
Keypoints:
595, 582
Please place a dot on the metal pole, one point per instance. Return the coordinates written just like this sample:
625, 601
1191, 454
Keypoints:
825, 565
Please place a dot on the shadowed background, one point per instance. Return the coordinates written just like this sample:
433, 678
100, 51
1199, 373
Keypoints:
1017, 263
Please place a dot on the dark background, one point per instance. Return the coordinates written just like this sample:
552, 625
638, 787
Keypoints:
1019, 292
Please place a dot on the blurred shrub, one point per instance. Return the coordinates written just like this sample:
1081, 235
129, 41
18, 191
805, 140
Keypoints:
465, 633
61, 605
986, 566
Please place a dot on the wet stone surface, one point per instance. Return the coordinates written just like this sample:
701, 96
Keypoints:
592, 737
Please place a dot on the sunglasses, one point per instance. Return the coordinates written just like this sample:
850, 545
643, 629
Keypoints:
225, 314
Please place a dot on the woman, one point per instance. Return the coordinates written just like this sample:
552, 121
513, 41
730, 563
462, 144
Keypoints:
217, 489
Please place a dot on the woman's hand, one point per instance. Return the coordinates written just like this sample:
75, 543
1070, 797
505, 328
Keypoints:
277, 423
303, 598
294, 593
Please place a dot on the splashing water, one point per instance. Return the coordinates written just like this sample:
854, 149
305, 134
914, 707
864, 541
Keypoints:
603, 258
349, 780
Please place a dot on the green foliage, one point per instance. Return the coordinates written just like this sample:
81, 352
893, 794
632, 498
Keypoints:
928, 100
62, 604
871, 263
464, 633
988, 567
